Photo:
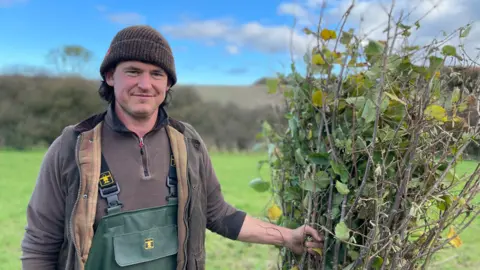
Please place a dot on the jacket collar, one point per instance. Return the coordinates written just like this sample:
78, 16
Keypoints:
111, 119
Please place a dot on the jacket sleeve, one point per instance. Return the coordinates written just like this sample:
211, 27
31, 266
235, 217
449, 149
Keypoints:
44, 231
222, 217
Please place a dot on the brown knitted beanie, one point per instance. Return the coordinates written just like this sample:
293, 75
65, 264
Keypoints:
140, 43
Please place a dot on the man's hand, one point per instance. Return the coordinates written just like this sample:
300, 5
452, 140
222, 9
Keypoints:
261, 232
297, 243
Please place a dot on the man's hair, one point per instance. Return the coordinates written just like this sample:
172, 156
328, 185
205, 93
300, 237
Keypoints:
107, 93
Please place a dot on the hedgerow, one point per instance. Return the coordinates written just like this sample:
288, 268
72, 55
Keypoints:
370, 155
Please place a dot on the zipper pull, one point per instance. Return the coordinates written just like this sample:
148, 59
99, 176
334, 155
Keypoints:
141, 146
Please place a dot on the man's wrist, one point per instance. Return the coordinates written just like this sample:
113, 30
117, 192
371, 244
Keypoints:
280, 236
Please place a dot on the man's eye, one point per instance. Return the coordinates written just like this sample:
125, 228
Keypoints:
132, 72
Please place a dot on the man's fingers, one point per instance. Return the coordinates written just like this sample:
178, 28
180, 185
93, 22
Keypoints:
314, 233
314, 244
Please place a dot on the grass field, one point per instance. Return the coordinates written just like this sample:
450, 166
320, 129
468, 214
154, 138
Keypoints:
18, 172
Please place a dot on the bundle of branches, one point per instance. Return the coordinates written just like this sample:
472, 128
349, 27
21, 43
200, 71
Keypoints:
371, 154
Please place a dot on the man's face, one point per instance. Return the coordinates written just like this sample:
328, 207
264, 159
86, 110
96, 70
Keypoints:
139, 88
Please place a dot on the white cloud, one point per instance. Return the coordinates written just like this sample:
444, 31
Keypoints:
250, 35
368, 17
126, 18
232, 49
292, 9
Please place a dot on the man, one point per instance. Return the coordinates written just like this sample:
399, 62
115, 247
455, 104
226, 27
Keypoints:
132, 186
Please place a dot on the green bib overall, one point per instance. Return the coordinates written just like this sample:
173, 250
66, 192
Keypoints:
130, 240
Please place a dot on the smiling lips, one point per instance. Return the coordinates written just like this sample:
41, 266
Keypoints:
143, 95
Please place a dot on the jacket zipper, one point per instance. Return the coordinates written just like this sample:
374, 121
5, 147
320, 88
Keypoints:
185, 212
144, 157
72, 234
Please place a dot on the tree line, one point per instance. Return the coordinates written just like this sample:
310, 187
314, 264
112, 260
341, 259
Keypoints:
34, 110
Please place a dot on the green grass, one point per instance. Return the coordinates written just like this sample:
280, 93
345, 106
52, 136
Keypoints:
18, 173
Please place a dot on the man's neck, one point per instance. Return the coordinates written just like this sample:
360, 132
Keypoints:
137, 126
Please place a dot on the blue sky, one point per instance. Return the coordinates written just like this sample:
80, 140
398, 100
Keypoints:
229, 46
213, 42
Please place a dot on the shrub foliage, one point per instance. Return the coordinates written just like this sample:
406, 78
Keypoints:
375, 134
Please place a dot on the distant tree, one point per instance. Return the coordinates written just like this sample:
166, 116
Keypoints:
70, 59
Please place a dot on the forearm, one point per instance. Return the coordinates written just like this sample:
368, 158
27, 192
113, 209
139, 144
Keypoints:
261, 232
44, 230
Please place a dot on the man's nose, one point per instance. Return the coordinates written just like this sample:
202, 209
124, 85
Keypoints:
144, 81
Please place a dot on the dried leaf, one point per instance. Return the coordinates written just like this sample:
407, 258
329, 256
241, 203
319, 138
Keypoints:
456, 241
317, 98
328, 34
318, 250
274, 212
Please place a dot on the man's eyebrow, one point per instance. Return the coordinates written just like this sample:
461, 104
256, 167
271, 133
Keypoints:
131, 67
137, 68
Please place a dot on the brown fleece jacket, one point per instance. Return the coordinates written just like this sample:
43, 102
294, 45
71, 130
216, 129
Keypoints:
55, 236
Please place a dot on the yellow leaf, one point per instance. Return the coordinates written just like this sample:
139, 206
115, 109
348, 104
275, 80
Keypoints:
317, 98
294, 268
274, 212
437, 112
328, 34
394, 97
318, 250
317, 59
309, 134
456, 241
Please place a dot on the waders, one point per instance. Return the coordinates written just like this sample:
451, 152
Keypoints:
131, 240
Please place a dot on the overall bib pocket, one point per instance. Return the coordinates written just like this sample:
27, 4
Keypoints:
146, 246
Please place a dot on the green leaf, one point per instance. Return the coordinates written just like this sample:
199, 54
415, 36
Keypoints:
449, 50
395, 97
463, 106
369, 111
436, 112
292, 124
456, 95
417, 24
259, 185
342, 231
358, 102
377, 262
340, 169
322, 179
319, 158
373, 51
342, 188
299, 157
465, 31
346, 37
435, 63
312, 185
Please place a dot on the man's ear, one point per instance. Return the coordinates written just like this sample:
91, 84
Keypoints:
109, 78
